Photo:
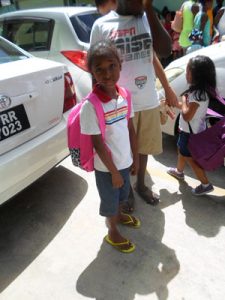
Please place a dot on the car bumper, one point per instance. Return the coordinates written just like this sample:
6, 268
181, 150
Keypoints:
25, 164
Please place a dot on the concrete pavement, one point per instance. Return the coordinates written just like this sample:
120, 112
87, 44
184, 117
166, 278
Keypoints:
55, 248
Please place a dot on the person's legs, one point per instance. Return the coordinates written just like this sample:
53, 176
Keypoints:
182, 153
181, 162
140, 187
205, 187
178, 172
149, 135
114, 237
143, 160
113, 232
110, 208
199, 172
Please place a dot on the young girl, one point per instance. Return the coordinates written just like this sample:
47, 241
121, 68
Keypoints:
117, 154
201, 76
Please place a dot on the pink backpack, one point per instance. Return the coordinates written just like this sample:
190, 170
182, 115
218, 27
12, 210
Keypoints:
80, 145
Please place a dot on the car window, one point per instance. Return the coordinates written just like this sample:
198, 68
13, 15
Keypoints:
31, 35
8, 53
82, 25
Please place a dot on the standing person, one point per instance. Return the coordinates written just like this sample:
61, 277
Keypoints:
201, 77
129, 28
200, 35
189, 10
105, 6
202, 22
117, 153
167, 18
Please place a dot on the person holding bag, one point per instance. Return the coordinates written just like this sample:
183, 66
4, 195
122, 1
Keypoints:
189, 9
201, 77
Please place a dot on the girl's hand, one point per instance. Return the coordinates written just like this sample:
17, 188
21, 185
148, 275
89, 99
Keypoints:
117, 180
185, 99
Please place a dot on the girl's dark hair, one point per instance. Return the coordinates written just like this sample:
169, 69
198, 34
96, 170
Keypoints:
203, 74
102, 49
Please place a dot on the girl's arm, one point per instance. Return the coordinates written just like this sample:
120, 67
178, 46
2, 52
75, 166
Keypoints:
103, 153
188, 110
134, 148
162, 43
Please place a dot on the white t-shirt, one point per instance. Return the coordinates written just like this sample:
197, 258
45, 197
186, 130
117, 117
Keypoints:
197, 123
116, 131
133, 39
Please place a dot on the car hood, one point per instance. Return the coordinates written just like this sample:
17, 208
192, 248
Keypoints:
216, 50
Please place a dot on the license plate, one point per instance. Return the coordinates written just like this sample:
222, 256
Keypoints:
13, 121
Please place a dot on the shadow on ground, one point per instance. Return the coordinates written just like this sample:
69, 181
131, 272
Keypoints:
30, 220
115, 275
205, 214
153, 266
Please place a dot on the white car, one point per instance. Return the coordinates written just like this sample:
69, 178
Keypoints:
36, 96
57, 33
176, 74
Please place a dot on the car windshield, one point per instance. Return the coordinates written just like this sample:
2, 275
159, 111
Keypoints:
8, 53
82, 25
171, 74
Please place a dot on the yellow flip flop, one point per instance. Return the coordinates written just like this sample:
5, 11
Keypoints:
132, 222
118, 245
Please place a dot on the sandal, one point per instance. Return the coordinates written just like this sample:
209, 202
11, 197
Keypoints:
132, 221
119, 246
147, 195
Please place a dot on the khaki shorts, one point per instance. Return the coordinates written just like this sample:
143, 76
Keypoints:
148, 130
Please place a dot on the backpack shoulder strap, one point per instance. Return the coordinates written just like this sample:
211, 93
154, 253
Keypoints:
93, 98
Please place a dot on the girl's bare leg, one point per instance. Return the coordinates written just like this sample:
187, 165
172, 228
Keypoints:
181, 162
113, 232
199, 172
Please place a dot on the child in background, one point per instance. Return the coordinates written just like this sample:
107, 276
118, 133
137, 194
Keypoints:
105, 6
116, 155
177, 50
201, 77
167, 22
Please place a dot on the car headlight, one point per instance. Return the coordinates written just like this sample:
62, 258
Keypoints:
171, 74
